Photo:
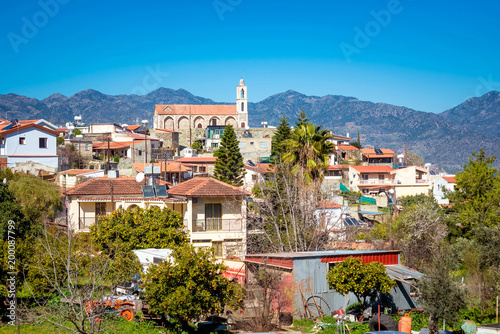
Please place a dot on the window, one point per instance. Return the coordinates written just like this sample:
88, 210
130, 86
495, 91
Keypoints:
217, 245
364, 176
214, 122
76, 146
157, 260
87, 147
100, 210
242, 93
3, 140
242, 124
203, 169
213, 216
140, 152
22, 141
263, 144
251, 143
254, 177
242, 106
200, 125
241, 145
42, 142
215, 145
381, 177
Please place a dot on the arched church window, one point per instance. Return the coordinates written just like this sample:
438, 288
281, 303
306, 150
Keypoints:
200, 125
242, 106
242, 93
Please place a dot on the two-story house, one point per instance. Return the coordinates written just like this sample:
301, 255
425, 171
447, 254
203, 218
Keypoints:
28, 140
215, 214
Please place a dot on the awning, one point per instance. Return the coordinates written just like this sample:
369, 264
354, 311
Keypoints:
399, 272
373, 213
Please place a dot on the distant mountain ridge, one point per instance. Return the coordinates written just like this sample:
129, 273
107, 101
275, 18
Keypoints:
445, 139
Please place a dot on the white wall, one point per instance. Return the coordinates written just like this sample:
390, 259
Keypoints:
31, 151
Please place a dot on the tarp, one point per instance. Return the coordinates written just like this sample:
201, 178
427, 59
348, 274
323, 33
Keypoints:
364, 199
343, 188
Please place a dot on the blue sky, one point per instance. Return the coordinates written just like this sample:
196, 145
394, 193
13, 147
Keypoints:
421, 54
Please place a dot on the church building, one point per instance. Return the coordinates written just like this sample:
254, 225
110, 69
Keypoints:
191, 120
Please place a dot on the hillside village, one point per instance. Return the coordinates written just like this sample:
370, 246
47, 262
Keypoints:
339, 197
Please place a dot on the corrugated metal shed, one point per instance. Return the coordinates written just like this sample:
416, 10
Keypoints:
399, 272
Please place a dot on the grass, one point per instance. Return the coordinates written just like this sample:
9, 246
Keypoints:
111, 326
329, 326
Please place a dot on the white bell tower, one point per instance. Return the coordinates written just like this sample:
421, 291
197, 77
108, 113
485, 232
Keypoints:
242, 104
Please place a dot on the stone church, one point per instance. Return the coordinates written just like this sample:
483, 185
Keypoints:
191, 121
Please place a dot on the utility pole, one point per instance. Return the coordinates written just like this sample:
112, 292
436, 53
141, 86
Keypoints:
190, 126
406, 152
108, 150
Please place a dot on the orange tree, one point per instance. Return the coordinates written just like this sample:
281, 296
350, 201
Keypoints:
139, 229
363, 280
188, 285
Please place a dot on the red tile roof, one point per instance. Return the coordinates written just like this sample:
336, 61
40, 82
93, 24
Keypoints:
133, 127
347, 148
324, 204
193, 109
337, 167
337, 137
113, 145
123, 185
78, 171
167, 130
373, 169
206, 187
261, 168
171, 167
370, 152
209, 160
450, 179
25, 124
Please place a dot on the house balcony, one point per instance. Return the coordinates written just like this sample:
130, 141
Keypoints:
376, 182
217, 224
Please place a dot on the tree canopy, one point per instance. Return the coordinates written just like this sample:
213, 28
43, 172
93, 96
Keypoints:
301, 119
189, 285
229, 162
283, 132
139, 229
308, 151
363, 280
476, 199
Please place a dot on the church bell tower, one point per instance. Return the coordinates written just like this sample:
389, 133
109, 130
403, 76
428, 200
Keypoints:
242, 104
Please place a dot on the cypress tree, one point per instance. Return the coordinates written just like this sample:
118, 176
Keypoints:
229, 162
283, 132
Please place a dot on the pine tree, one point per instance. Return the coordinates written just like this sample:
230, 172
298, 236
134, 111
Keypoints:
302, 119
283, 132
229, 163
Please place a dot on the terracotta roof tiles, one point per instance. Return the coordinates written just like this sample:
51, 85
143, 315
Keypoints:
123, 185
195, 109
206, 187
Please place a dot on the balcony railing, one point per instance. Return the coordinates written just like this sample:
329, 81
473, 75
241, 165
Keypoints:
377, 181
217, 224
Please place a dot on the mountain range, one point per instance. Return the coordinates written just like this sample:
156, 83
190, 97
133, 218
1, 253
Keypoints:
446, 139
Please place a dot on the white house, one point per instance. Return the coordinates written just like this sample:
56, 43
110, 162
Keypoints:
28, 140
441, 187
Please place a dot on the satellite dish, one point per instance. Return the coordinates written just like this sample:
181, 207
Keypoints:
139, 177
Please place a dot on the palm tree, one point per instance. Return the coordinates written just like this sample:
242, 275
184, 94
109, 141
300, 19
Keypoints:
308, 151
